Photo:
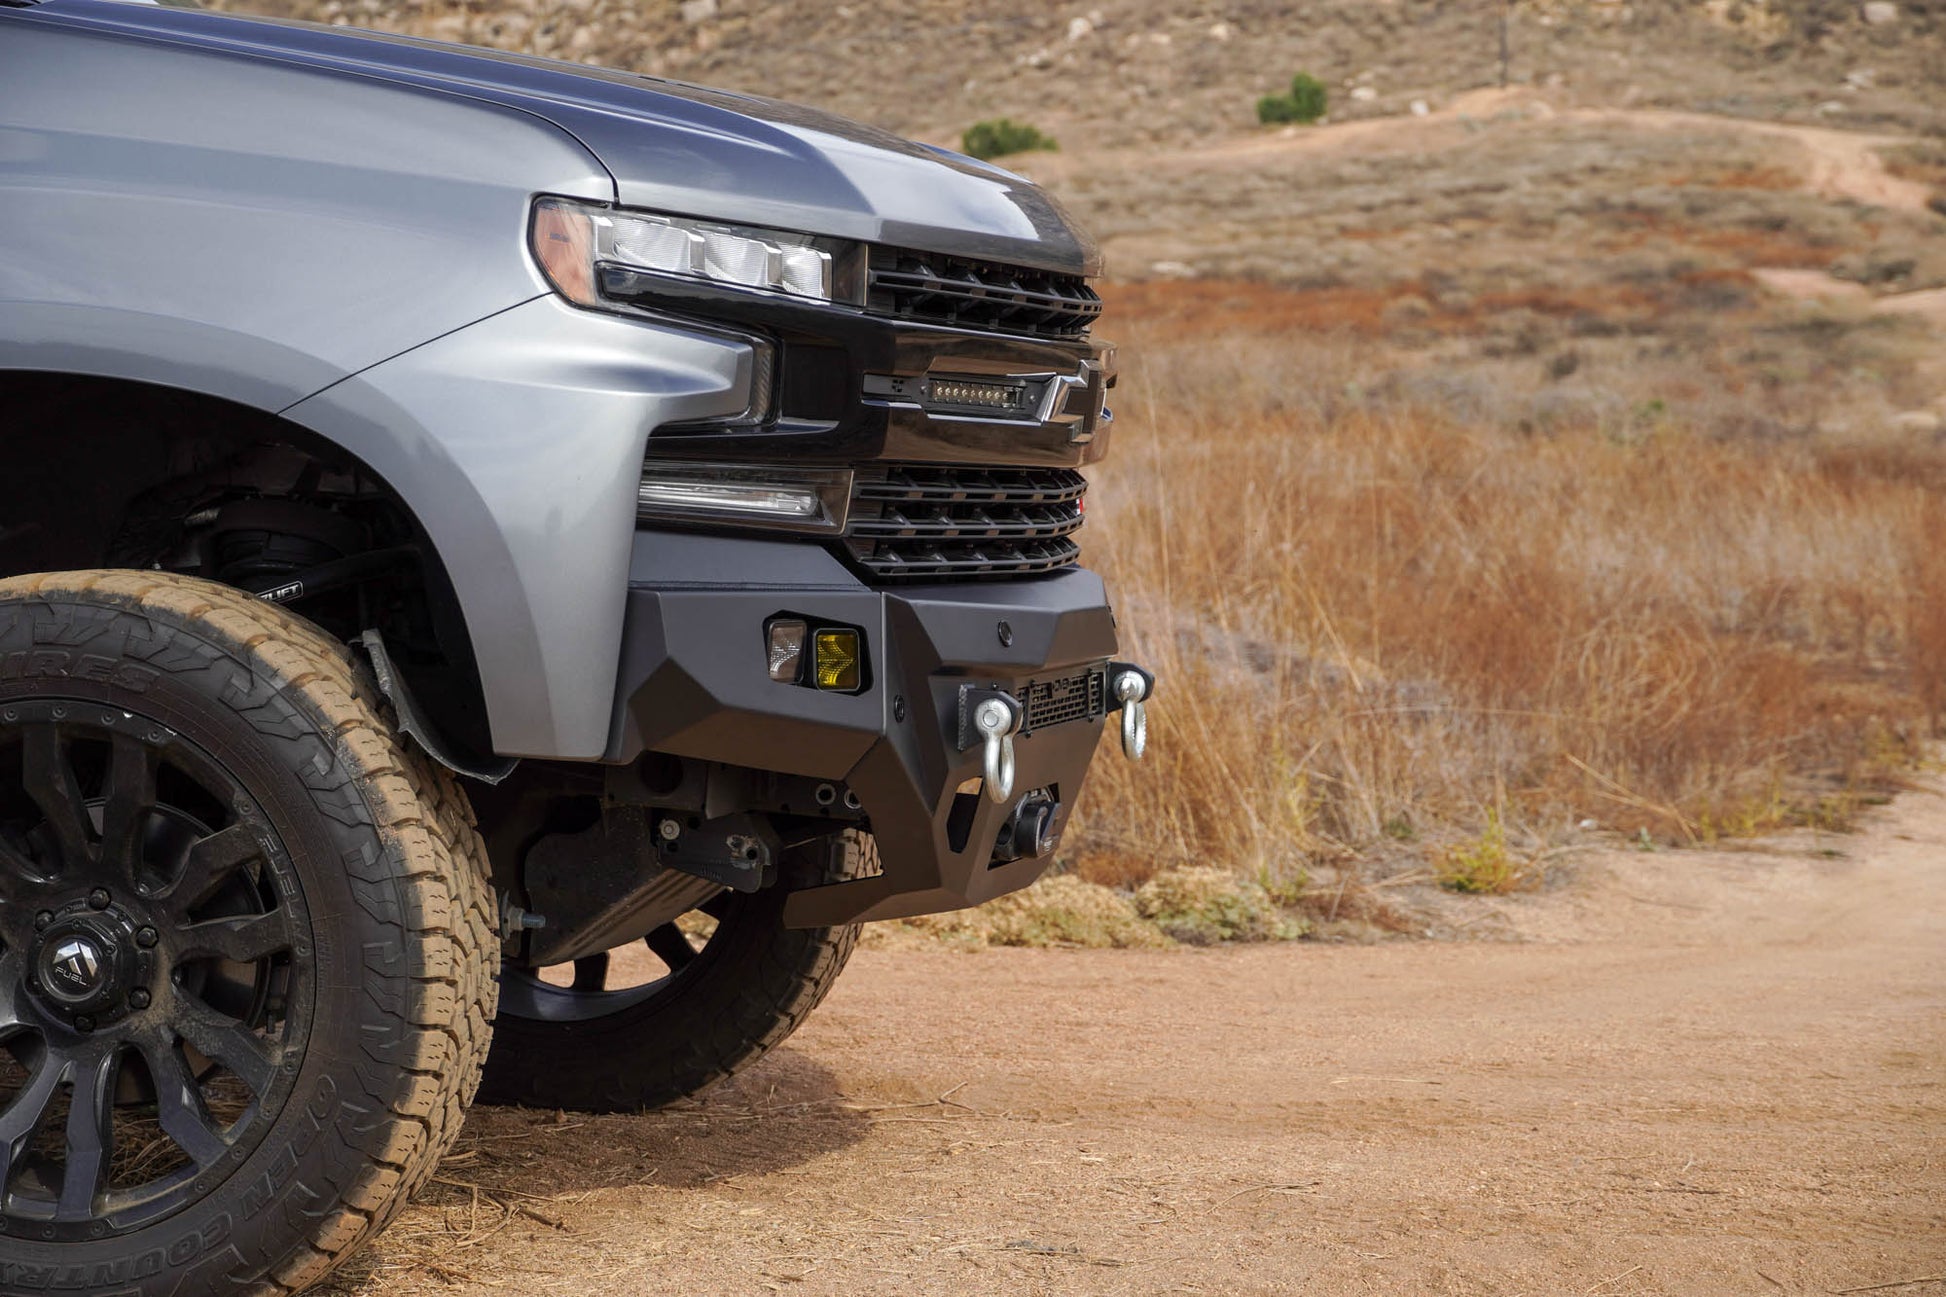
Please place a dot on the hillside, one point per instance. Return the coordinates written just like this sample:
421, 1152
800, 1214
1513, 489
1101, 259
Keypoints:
1124, 72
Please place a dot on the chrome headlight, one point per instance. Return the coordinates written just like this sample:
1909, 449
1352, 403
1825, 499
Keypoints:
571, 240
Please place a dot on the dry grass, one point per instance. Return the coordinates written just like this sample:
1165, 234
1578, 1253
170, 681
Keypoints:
1378, 615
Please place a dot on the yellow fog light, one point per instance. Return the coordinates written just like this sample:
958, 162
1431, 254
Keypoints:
838, 660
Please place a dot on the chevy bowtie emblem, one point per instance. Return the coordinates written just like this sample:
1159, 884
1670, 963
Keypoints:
1077, 400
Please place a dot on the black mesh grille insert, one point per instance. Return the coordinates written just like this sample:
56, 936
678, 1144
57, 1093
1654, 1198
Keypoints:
980, 295
944, 522
1072, 698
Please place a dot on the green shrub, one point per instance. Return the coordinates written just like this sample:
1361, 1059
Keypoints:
1200, 906
1001, 136
1305, 103
1483, 867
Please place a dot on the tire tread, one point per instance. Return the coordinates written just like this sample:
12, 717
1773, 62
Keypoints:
439, 1035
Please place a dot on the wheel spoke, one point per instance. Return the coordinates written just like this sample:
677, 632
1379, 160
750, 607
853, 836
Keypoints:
211, 861
591, 973
16, 923
227, 1041
20, 881
179, 1107
49, 780
91, 1135
131, 796
243, 940
23, 1116
671, 945
11, 976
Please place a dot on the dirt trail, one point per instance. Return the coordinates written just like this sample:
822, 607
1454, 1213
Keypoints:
1835, 164
1700, 1073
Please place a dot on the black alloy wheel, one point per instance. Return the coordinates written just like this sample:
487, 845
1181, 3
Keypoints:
247, 944
155, 970
727, 983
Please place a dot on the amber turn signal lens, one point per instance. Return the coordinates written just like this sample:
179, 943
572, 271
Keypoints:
838, 660
564, 243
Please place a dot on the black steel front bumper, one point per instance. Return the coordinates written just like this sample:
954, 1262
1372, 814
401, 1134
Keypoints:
695, 685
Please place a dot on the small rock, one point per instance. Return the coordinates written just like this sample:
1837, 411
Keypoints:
1861, 78
1420, 108
1880, 12
1364, 94
1829, 108
1926, 423
1079, 28
695, 11
1172, 270
1222, 32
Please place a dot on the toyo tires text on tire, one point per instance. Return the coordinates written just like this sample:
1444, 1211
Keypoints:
247, 944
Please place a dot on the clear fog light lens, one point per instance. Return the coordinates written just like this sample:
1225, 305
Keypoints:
839, 660
786, 650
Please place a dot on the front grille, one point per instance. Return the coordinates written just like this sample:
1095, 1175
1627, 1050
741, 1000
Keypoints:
1073, 698
948, 522
980, 295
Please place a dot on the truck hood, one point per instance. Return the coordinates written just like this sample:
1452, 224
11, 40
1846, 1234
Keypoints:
681, 148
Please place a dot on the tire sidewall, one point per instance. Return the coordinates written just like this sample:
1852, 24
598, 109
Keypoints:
306, 786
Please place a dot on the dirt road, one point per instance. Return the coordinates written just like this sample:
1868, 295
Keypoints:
1697, 1073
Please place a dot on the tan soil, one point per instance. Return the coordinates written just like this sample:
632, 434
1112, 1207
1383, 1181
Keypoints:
1690, 1073
1835, 164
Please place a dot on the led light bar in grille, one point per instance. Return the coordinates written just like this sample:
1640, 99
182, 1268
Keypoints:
999, 398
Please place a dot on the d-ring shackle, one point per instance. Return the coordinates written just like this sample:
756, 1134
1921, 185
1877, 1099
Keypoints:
998, 719
1132, 691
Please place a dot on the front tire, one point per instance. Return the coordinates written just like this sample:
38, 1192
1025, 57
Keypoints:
719, 998
246, 944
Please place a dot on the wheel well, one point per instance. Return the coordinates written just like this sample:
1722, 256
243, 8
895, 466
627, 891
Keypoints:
111, 473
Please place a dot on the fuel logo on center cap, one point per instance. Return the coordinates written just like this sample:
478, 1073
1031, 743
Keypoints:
74, 968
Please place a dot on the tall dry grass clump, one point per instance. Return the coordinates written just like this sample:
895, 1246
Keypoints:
1375, 619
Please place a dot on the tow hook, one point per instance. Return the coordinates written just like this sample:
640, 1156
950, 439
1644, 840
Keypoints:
1132, 687
996, 719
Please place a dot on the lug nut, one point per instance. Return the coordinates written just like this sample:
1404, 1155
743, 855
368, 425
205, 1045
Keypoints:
42, 919
99, 898
84, 1023
138, 999
145, 937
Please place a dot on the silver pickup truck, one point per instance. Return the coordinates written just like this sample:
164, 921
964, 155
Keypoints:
503, 566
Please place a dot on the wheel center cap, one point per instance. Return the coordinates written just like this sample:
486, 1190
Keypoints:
73, 969
86, 965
